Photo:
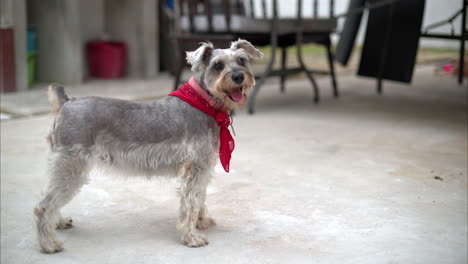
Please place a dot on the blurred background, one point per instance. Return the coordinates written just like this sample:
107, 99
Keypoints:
52, 40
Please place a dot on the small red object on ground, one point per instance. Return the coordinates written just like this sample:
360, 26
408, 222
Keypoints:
106, 59
448, 67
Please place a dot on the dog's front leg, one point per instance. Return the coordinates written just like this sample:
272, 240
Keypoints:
192, 195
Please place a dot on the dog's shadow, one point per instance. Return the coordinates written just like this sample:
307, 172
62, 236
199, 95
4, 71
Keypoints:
157, 227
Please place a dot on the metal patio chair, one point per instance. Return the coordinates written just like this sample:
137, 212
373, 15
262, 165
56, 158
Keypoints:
222, 21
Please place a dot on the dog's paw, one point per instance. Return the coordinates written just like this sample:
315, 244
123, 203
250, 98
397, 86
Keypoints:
53, 246
195, 240
205, 222
65, 223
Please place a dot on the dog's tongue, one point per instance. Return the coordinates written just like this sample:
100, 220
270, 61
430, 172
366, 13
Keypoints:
237, 95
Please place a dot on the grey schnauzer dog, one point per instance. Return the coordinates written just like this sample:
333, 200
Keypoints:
167, 137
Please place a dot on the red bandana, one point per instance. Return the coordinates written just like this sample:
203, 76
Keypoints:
192, 93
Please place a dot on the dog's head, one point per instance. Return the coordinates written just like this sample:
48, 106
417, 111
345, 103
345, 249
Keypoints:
226, 73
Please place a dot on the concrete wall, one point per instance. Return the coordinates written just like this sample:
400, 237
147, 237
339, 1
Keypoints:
91, 24
19, 11
64, 27
59, 41
136, 23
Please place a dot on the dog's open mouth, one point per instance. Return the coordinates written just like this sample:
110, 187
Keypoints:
236, 94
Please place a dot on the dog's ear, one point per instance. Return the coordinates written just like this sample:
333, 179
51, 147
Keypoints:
200, 58
248, 47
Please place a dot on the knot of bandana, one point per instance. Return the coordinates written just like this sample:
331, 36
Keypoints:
223, 119
199, 98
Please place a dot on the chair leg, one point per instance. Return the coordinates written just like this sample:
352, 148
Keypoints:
274, 45
304, 68
284, 55
266, 73
180, 64
332, 71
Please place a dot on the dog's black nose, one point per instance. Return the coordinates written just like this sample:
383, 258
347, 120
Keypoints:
238, 77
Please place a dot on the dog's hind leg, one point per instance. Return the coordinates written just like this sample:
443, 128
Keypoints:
68, 174
204, 221
192, 191
64, 222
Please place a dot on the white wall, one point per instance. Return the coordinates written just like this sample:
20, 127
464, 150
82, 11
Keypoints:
435, 11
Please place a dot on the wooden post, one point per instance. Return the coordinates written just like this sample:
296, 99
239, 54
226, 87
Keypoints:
7, 61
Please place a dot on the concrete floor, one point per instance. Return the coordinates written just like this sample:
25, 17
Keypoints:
362, 179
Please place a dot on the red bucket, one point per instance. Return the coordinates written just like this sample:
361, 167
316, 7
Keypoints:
106, 59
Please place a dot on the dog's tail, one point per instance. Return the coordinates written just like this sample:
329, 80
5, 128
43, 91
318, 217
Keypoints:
57, 97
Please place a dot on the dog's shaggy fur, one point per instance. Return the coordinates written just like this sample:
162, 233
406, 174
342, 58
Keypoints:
164, 137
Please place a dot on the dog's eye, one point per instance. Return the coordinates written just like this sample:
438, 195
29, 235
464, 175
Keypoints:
218, 66
241, 61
